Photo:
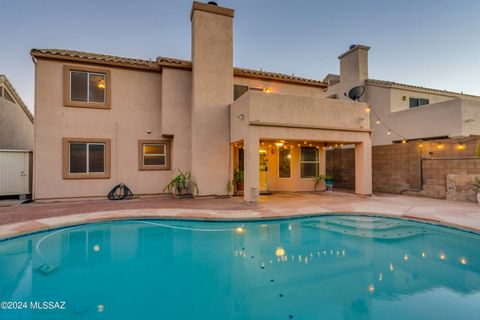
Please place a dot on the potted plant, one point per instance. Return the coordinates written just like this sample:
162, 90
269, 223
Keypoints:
183, 183
318, 180
328, 181
238, 178
476, 186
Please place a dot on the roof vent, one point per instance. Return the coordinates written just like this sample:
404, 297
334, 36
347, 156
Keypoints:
352, 46
213, 3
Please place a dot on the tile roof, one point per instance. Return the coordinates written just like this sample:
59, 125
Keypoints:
335, 78
94, 57
409, 86
163, 62
277, 76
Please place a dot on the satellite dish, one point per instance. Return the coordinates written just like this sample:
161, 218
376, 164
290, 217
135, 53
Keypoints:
356, 93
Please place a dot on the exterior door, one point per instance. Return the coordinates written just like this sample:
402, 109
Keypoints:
14, 173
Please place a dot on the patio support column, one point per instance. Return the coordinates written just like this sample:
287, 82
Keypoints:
251, 170
322, 158
363, 168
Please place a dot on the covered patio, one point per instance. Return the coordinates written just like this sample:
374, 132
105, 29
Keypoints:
289, 135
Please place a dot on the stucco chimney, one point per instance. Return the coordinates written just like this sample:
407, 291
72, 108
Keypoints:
212, 93
353, 67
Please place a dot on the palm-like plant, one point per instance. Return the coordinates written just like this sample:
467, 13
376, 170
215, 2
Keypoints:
180, 182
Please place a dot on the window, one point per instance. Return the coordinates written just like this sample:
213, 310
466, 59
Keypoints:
417, 102
86, 158
154, 154
86, 87
309, 162
238, 91
284, 162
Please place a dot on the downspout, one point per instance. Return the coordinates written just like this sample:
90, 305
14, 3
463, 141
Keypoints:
34, 162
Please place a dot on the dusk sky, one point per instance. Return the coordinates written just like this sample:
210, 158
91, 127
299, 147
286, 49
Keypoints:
428, 43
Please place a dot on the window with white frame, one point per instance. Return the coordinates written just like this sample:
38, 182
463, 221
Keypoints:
309, 162
154, 154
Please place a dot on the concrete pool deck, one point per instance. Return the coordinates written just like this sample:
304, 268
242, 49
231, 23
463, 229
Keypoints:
21, 219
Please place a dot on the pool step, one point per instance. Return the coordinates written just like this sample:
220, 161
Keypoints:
365, 223
396, 232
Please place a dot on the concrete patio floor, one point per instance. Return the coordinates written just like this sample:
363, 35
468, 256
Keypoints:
21, 219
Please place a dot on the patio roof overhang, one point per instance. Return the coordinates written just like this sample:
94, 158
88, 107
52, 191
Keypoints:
258, 116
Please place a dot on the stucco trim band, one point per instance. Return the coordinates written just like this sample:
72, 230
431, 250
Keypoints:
283, 125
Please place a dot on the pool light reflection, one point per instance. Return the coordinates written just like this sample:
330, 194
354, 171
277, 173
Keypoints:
240, 230
280, 252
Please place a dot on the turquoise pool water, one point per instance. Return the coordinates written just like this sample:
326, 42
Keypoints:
328, 267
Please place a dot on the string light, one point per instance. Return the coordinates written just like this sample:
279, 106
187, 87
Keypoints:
380, 122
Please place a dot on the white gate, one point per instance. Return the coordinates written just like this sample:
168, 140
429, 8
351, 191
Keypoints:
14, 172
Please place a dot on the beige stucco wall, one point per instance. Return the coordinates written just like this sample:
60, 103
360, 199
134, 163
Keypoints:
136, 109
397, 103
451, 117
16, 128
444, 116
280, 87
308, 111
176, 114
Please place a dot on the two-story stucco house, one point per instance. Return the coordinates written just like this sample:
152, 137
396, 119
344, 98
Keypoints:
102, 120
402, 112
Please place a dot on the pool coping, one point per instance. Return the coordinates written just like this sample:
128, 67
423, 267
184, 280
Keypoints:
15, 230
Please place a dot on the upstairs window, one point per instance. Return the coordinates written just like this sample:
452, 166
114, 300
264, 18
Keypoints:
86, 158
86, 87
417, 102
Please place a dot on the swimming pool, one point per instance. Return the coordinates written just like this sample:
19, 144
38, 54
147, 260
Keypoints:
325, 267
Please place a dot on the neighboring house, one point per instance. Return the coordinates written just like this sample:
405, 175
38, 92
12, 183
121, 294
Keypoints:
16, 120
16, 142
405, 112
102, 120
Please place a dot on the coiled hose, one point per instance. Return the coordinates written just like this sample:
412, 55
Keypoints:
120, 192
